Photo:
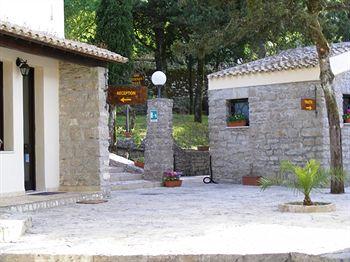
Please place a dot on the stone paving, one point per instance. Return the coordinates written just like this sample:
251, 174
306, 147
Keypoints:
193, 219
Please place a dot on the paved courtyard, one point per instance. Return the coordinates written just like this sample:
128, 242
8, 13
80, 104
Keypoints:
193, 219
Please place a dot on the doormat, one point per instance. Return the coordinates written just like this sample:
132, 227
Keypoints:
93, 201
46, 193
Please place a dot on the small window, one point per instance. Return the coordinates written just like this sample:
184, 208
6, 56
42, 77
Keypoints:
346, 108
1, 109
238, 112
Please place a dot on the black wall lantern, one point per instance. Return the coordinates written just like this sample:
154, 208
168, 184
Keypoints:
23, 66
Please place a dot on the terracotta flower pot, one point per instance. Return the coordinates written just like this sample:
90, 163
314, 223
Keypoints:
139, 164
174, 183
237, 123
203, 148
251, 180
347, 120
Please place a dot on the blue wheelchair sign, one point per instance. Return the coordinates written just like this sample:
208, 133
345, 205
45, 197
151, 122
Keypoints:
154, 115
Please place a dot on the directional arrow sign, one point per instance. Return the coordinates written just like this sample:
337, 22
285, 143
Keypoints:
127, 95
124, 100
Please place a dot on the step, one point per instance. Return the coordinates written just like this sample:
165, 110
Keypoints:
34, 202
11, 229
136, 184
124, 177
116, 169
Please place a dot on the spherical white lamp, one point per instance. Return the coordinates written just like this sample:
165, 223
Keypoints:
158, 79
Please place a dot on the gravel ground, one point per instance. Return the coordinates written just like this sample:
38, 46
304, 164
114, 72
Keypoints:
193, 219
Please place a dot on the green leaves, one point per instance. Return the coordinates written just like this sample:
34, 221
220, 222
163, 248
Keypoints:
115, 32
236, 117
305, 179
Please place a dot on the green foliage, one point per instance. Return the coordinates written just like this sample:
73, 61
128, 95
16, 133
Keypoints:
115, 32
155, 28
305, 179
80, 19
187, 133
346, 116
236, 117
139, 159
338, 174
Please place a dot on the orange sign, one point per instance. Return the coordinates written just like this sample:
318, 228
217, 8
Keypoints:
308, 104
127, 95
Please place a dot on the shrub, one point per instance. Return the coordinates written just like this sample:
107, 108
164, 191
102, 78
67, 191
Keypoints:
305, 179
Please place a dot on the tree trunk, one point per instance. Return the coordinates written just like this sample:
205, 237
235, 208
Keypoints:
111, 127
190, 82
327, 79
132, 118
160, 53
199, 91
307, 201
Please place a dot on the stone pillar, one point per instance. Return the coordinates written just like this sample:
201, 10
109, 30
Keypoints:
84, 156
159, 154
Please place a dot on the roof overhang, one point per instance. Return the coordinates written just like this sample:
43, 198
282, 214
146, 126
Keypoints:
339, 64
25, 40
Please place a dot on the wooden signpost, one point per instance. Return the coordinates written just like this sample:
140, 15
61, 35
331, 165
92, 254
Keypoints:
127, 95
138, 80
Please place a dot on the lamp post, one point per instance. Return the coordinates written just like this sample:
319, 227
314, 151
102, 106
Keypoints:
158, 79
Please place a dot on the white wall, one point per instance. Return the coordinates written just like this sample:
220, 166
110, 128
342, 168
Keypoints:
42, 15
46, 122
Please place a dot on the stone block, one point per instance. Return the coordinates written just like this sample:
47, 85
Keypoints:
83, 125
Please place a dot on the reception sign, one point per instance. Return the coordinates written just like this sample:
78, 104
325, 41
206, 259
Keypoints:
127, 95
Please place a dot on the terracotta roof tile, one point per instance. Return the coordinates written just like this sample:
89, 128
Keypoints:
298, 58
61, 43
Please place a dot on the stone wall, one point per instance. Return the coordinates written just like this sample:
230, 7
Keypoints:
191, 162
342, 82
84, 153
159, 155
279, 130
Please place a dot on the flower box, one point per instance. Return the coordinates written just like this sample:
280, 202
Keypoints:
203, 148
251, 180
139, 164
173, 183
237, 123
346, 116
172, 179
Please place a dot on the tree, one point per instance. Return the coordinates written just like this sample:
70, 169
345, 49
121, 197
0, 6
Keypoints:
115, 32
313, 14
80, 21
314, 10
155, 28
202, 21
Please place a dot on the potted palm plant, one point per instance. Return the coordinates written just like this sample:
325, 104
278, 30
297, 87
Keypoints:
236, 120
346, 116
172, 179
305, 180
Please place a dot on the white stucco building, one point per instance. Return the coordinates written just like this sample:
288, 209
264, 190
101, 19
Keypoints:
53, 122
